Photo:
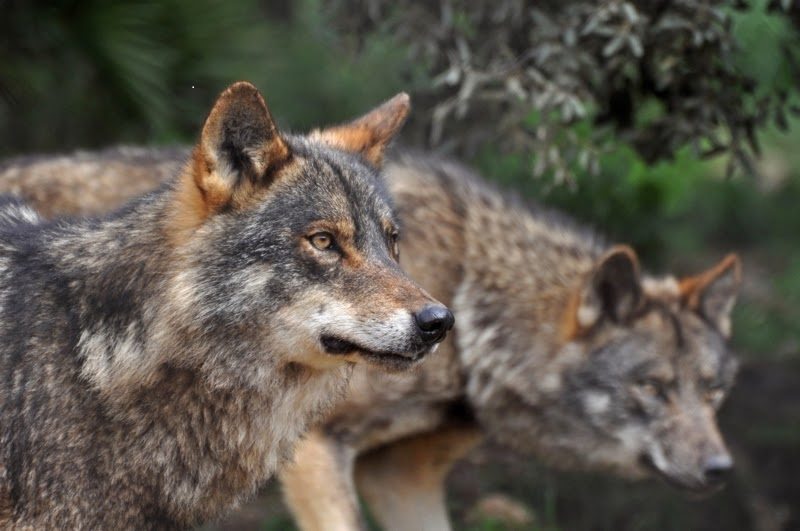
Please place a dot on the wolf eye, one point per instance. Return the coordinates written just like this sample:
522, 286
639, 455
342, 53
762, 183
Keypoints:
652, 388
394, 245
322, 241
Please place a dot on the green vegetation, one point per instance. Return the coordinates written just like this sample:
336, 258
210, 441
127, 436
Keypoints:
89, 73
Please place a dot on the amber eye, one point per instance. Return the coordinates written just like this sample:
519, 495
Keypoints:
652, 388
394, 244
322, 241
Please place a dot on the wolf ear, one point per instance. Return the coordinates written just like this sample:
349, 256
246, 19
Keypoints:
713, 293
239, 148
370, 134
613, 289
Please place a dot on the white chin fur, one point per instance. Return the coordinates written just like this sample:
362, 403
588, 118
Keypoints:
392, 333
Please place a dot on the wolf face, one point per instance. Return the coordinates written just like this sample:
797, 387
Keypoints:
636, 386
296, 237
658, 369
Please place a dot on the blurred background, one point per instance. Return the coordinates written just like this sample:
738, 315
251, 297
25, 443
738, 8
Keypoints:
671, 125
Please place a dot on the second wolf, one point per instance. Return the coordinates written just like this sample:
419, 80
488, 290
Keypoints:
564, 349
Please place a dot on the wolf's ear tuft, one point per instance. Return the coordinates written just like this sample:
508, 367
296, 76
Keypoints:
713, 293
613, 290
370, 134
238, 147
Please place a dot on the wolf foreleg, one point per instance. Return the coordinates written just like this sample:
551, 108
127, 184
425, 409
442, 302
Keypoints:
318, 486
403, 482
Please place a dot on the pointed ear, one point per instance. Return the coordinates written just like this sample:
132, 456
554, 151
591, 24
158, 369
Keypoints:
613, 289
713, 293
239, 148
370, 134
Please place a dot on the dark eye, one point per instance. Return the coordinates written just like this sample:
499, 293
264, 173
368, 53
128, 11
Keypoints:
322, 241
394, 246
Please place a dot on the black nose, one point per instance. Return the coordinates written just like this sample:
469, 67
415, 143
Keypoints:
717, 468
433, 322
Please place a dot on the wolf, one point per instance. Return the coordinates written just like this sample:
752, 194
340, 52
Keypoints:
159, 363
564, 351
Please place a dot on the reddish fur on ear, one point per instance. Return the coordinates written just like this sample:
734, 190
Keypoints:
713, 292
691, 288
238, 145
239, 142
239, 150
621, 251
370, 134
570, 326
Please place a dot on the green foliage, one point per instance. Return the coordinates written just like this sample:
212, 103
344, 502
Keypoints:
280, 523
660, 75
84, 73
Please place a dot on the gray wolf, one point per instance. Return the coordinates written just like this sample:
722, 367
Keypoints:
159, 363
564, 350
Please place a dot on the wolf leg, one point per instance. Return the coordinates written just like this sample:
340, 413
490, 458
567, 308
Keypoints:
318, 485
403, 482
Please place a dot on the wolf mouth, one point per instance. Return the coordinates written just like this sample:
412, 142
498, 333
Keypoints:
695, 488
339, 346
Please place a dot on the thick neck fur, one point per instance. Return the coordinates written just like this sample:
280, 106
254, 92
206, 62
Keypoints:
157, 404
113, 272
523, 265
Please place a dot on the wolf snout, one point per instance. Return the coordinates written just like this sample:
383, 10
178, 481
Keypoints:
717, 468
433, 322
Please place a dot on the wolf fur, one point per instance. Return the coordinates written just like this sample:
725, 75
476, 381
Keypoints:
563, 350
161, 362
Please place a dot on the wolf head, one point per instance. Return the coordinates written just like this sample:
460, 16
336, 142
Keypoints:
631, 379
654, 369
287, 245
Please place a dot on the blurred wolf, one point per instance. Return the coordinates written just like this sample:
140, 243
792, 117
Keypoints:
158, 364
563, 350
